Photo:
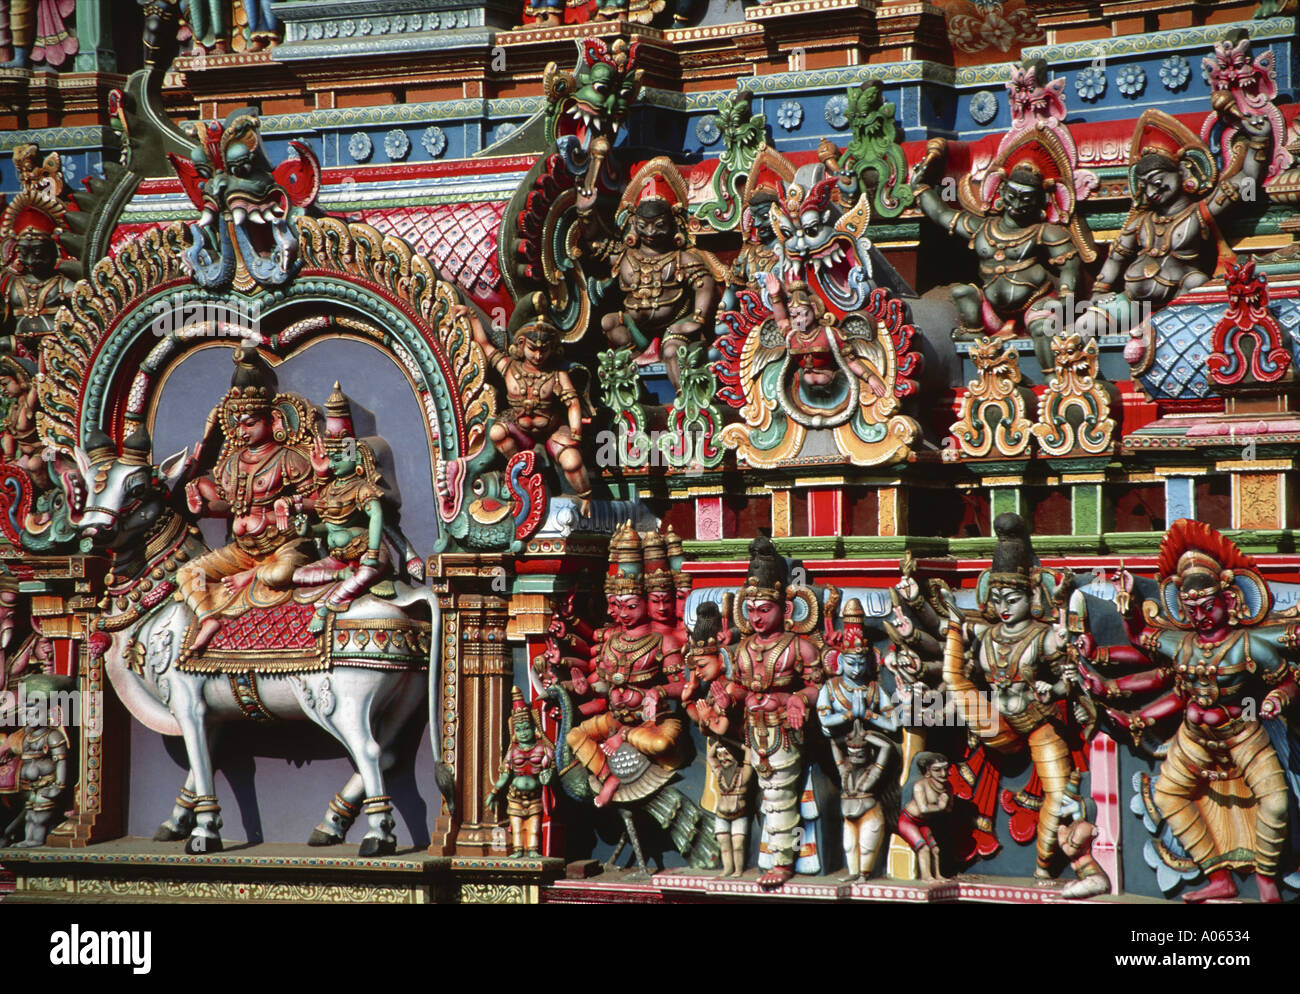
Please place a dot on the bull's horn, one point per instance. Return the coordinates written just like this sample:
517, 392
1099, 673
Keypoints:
99, 447
136, 449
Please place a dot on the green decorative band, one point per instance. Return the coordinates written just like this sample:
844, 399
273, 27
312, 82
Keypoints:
400, 336
866, 548
60, 139
475, 109
1162, 41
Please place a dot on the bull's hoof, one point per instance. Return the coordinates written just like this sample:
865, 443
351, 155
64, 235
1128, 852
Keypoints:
201, 845
377, 847
319, 838
166, 833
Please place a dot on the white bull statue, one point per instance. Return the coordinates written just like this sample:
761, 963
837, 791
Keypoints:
360, 689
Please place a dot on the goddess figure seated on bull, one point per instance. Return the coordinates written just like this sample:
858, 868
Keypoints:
193, 636
272, 472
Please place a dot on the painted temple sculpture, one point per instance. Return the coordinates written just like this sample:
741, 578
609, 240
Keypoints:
662, 485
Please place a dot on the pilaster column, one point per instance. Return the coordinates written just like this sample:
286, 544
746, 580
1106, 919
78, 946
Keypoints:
94, 27
476, 672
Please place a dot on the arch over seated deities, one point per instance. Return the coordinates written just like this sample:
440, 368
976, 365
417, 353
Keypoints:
98, 369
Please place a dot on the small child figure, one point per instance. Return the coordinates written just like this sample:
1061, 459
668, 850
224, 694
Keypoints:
1075, 836
931, 796
43, 747
528, 765
731, 818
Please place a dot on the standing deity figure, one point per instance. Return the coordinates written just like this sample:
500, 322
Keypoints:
776, 674
632, 679
544, 407
931, 800
1021, 225
853, 711
730, 776
1170, 241
263, 476
263, 27
669, 287
1222, 789
35, 655
36, 31
708, 661
1076, 835
1019, 659
527, 767
42, 746
350, 506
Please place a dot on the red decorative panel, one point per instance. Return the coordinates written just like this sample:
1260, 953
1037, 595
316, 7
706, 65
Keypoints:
283, 627
459, 239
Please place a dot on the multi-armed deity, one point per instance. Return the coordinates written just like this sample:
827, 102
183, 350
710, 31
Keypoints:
633, 679
1022, 224
1222, 791
1170, 242
263, 476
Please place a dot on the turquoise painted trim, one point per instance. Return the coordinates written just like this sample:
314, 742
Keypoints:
476, 109
60, 139
1162, 41
867, 548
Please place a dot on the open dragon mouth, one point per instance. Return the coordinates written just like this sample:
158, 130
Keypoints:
1249, 88
488, 510
448, 481
585, 122
832, 266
